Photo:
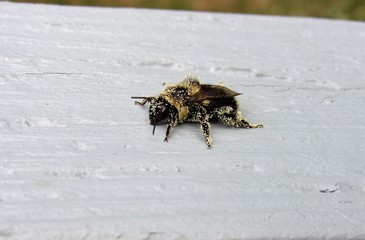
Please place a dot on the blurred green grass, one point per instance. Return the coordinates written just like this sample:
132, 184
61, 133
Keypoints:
336, 9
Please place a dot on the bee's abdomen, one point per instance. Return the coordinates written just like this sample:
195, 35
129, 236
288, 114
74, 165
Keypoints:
227, 107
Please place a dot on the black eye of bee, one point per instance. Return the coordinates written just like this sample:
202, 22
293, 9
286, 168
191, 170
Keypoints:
158, 112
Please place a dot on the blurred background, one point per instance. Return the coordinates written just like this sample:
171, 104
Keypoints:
336, 9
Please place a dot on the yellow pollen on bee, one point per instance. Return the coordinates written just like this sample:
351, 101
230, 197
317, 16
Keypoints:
205, 103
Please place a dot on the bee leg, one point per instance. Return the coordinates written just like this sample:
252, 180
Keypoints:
143, 102
171, 124
140, 103
201, 116
241, 122
167, 131
205, 127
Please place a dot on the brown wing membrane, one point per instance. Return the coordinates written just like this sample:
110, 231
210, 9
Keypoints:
211, 92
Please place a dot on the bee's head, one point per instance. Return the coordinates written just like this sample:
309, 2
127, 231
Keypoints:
159, 111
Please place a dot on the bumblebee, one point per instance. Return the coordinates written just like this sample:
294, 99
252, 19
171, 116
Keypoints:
190, 101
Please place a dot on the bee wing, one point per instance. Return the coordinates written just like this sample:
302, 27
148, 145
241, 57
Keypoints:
210, 95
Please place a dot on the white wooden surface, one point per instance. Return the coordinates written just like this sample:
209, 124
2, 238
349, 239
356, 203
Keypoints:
78, 160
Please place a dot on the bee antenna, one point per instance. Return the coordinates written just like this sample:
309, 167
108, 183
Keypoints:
147, 98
